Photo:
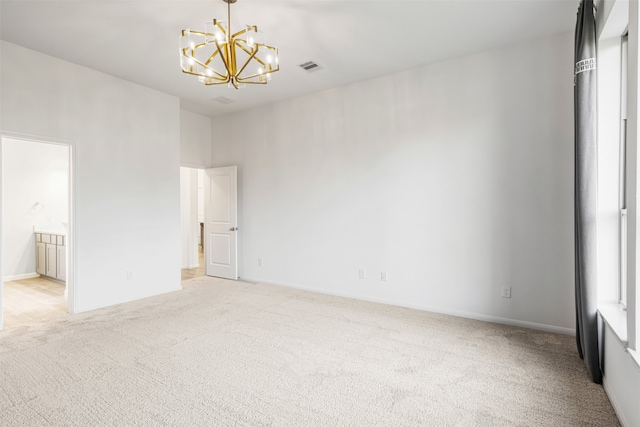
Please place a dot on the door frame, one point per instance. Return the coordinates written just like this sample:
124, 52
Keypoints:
72, 286
198, 168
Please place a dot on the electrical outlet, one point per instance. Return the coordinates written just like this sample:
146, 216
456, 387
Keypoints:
259, 262
506, 292
362, 274
383, 276
129, 275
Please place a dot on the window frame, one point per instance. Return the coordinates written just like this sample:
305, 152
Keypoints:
622, 184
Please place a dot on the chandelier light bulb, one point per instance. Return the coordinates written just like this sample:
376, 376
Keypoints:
220, 56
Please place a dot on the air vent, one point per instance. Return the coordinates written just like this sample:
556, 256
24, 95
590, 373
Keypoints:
223, 100
310, 66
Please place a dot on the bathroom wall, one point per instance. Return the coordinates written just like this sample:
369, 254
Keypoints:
32, 173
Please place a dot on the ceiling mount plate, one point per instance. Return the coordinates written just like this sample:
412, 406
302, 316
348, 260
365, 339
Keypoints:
230, 1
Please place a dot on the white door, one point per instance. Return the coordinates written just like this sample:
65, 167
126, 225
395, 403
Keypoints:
221, 222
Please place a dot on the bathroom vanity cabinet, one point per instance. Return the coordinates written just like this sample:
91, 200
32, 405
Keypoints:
51, 256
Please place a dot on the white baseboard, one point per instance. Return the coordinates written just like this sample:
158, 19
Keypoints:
20, 277
475, 316
190, 266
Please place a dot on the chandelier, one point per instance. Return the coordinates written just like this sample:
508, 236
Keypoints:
218, 56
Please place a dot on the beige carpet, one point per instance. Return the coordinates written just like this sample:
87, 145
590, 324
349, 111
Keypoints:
223, 353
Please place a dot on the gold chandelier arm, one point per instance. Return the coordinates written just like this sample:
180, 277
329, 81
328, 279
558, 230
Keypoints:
239, 33
266, 46
219, 75
224, 60
220, 82
186, 49
258, 75
220, 27
207, 77
248, 52
198, 33
253, 76
258, 45
197, 62
247, 62
223, 79
213, 55
264, 82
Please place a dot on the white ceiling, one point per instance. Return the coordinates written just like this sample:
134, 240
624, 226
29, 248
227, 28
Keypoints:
353, 40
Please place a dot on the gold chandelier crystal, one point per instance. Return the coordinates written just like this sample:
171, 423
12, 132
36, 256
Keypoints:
218, 56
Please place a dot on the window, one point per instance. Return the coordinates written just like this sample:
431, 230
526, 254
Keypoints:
622, 292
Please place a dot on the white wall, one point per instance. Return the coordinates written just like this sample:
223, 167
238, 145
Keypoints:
127, 183
621, 379
456, 179
32, 173
195, 140
189, 216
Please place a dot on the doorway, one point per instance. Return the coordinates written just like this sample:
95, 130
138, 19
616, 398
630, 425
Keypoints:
209, 220
192, 222
36, 230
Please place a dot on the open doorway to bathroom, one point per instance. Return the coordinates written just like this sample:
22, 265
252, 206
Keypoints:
36, 213
192, 222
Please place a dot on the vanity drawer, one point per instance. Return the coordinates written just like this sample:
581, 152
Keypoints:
46, 238
60, 240
38, 237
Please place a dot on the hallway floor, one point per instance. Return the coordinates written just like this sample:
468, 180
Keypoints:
31, 300
192, 273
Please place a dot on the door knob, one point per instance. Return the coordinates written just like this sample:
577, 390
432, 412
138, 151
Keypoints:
233, 229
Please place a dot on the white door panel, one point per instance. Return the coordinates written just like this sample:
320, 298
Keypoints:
41, 258
220, 191
221, 222
220, 249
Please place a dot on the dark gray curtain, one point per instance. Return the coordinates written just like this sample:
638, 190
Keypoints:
585, 189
